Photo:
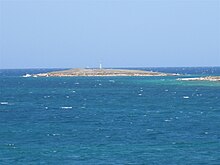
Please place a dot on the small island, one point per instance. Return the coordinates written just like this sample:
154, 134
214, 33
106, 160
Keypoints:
100, 72
208, 78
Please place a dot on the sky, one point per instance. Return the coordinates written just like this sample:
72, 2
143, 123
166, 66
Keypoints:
117, 33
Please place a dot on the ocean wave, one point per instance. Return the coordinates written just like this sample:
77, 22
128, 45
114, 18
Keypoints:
4, 103
66, 107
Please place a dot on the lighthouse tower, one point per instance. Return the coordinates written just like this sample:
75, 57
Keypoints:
100, 66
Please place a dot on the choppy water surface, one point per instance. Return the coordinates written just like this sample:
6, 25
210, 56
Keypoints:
109, 120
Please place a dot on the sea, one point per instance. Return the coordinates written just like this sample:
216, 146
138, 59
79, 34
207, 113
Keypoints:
109, 120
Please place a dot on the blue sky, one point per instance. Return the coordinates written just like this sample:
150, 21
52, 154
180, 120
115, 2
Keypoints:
120, 33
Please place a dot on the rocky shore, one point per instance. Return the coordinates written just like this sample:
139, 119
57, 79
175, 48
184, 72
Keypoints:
208, 78
101, 72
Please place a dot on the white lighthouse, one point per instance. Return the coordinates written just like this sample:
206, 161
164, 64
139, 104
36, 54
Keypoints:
100, 66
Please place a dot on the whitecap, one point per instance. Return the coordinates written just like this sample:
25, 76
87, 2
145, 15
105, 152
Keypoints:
66, 107
27, 75
167, 120
4, 103
186, 97
56, 134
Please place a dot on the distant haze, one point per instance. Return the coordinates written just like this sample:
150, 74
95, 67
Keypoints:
119, 33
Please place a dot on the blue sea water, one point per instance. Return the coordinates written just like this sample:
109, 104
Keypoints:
109, 120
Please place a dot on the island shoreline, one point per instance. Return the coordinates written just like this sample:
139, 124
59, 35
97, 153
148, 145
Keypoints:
77, 72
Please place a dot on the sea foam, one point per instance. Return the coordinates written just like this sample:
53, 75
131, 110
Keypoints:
4, 103
66, 107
